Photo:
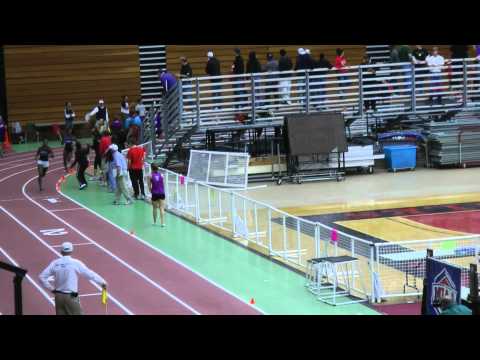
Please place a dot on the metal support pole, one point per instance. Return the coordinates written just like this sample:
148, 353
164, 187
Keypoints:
465, 82
17, 283
360, 91
307, 91
414, 92
254, 114
197, 95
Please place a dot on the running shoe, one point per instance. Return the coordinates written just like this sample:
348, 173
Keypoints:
163, 225
129, 202
83, 186
116, 202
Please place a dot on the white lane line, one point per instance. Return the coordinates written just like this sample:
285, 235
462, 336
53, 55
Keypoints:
124, 308
22, 199
16, 166
185, 266
81, 244
124, 263
72, 209
24, 171
27, 156
29, 278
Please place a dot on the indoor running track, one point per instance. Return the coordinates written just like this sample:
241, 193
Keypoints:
141, 280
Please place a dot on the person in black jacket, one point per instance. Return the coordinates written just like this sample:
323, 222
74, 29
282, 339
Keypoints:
321, 68
213, 69
458, 52
419, 57
81, 158
238, 68
254, 67
285, 64
302, 63
186, 74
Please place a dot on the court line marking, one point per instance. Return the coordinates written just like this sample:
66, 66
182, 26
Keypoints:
124, 263
25, 227
185, 266
29, 278
13, 167
72, 209
441, 213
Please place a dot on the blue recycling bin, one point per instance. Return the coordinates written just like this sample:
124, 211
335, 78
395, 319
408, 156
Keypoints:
400, 157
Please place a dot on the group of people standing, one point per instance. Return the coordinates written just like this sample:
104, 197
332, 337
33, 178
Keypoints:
112, 168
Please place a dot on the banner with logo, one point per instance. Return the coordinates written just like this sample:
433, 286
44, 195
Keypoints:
443, 280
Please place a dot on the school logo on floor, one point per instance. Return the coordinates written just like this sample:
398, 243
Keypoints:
443, 287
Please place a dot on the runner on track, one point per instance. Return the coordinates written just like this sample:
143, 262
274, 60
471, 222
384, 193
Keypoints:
44, 153
157, 189
81, 158
68, 148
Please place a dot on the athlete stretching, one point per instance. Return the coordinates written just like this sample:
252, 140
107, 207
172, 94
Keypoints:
157, 189
44, 153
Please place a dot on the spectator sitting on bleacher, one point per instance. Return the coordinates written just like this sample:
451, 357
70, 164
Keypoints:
69, 115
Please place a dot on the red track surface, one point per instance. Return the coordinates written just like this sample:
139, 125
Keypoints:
464, 221
141, 280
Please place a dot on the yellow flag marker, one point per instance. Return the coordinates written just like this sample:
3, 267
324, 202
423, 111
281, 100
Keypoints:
104, 296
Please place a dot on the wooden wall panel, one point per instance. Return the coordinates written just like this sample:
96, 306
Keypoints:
197, 54
40, 79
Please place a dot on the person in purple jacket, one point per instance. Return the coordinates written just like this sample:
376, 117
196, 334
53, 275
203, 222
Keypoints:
168, 80
157, 189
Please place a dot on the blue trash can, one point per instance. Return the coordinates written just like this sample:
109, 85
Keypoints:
400, 157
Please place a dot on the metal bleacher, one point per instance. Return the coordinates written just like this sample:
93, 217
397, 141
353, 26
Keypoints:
260, 98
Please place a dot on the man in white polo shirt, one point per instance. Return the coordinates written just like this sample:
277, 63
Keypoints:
435, 63
65, 271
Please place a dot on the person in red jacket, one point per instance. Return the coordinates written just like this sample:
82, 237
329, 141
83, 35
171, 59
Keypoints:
340, 64
136, 159
105, 142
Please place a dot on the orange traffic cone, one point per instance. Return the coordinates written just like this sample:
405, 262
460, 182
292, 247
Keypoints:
6, 143
252, 301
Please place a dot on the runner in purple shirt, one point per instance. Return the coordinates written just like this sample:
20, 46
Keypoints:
155, 184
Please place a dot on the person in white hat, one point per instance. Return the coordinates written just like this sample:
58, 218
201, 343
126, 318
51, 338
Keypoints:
213, 68
121, 176
100, 111
65, 272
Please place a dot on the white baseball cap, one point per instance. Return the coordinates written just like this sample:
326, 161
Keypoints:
101, 101
301, 51
210, 54
113, 147
307, 51
67, 247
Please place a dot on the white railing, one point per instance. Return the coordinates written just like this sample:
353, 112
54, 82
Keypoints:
386, 269
400, 88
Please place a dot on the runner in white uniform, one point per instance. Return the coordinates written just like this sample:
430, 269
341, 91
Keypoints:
44, 153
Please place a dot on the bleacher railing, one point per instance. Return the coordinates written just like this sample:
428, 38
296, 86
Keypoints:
400, 88
386, 269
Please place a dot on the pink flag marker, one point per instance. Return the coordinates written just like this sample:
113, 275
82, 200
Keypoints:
182, 180
334, 236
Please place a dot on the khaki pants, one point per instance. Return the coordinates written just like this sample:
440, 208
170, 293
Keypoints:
67, 305
122, 188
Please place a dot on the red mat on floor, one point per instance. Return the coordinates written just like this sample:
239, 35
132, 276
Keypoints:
400, 309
